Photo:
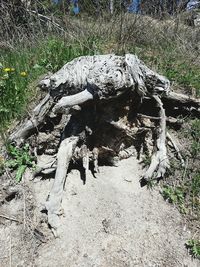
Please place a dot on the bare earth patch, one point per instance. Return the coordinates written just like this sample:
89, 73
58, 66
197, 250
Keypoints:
108, 221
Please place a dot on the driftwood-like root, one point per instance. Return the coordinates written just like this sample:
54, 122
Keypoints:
85, 157
95, 153
159, 160
53, 203
37, 118
72, 100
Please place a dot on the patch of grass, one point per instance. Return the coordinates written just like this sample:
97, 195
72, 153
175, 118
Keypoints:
182, 187
172, 64
175, 195
194, 247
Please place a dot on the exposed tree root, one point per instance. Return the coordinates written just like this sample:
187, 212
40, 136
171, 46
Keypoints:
159, 160
29, 126
64, 157
70, 101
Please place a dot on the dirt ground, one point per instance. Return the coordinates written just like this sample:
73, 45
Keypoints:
110, 221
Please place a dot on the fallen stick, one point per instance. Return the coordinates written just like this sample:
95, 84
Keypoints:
9, 218
171, 120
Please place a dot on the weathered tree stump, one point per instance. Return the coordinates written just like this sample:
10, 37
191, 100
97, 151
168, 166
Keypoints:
99, 109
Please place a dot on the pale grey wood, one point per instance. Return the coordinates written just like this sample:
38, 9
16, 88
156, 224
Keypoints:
29, 125
111, 74
72, 100
53, 204
159, 160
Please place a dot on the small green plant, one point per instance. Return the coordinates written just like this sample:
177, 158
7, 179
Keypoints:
19, 160
173, 195
194, 247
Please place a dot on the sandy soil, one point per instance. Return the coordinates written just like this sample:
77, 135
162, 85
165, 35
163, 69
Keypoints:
110, 221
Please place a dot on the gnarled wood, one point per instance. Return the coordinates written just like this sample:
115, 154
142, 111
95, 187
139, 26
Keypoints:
32, 124
159, 160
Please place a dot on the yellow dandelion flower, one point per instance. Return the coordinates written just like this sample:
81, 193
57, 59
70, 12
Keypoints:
7, 69
23, 74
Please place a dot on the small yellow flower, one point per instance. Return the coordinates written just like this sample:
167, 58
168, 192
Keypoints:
12, 69
7, 69
23, 74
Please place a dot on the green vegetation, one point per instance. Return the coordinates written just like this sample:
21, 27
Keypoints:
175, 196
176, 67
20, 67
182, 187
19, 160
194, 247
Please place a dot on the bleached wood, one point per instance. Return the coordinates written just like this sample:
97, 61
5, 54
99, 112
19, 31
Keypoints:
112, 75
72, 100
36, 119
176, 149
159, 160
53, 203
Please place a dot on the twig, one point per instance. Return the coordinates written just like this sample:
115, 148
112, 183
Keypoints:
46, 18
9, 218
168, 119
8, 174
